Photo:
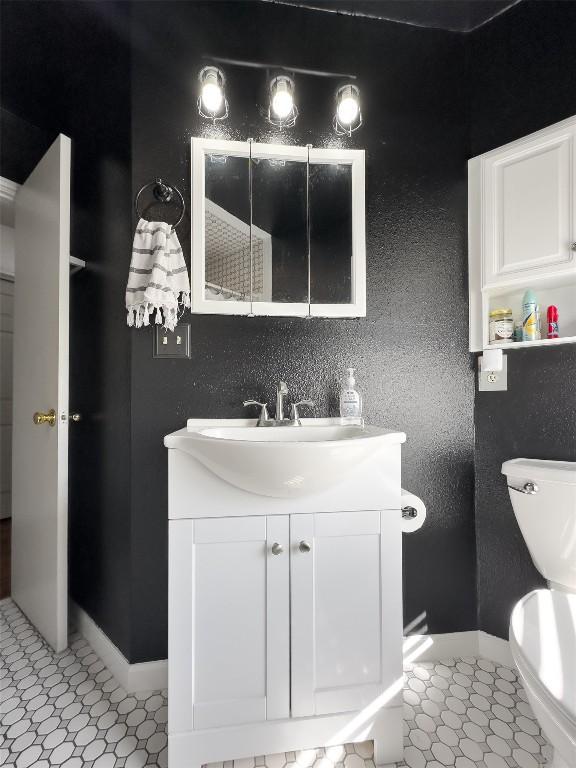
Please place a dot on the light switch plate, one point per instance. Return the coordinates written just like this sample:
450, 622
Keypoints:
493, 381
174, 343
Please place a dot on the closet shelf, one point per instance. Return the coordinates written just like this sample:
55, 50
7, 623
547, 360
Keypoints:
76, 264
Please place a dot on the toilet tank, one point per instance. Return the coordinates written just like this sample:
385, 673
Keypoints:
547, 516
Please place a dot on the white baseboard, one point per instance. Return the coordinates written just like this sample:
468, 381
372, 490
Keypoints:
437, 647
147, 676
457, 644
495, 649
153, 675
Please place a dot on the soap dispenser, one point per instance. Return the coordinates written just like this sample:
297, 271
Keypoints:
350, 398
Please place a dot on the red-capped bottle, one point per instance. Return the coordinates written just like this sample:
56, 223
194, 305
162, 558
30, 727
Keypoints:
552, 317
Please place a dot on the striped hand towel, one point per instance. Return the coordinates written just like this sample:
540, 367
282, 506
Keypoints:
158, 278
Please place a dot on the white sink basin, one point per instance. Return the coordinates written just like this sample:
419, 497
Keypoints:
281, 461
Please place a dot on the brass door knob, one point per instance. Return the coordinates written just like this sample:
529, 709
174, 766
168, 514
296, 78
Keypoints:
45, 418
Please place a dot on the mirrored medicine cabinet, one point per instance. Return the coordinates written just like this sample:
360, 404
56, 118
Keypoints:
277, 230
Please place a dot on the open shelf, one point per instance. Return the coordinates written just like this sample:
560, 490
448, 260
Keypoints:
561, 294
537, 343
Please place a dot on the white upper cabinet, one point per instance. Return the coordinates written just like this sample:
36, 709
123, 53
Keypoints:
528, 211
522, 229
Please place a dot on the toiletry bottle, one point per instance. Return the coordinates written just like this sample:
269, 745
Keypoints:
530, 317
350, 398
552, 317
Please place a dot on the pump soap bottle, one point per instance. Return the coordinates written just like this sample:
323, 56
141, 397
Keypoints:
350, 398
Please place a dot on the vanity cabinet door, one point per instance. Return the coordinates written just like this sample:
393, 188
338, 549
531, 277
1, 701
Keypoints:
346, 609
229, 621
529, 208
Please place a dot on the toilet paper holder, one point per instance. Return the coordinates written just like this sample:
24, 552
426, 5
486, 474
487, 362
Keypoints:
408, 513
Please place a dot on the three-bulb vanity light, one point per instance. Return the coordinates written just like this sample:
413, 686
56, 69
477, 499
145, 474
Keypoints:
282, 109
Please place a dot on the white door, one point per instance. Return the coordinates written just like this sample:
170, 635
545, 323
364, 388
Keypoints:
529, 219
346, 596
229, 631
40, 451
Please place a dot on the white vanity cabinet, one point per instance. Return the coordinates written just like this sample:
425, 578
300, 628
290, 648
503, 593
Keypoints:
522, 228
344, 601
285, 615
235, 643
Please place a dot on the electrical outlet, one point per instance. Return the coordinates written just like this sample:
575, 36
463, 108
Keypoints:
174, 343
493, 381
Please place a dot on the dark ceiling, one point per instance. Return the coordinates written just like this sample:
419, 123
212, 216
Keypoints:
455, 15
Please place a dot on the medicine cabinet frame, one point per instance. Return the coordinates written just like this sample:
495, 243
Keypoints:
203, 148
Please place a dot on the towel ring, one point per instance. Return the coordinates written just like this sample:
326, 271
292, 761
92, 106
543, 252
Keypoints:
164, 193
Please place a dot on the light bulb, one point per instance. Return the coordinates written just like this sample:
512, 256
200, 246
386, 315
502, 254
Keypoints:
282, 100
212, 96
348, 110
282, 104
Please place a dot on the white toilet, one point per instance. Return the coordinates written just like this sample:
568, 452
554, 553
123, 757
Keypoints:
543, 623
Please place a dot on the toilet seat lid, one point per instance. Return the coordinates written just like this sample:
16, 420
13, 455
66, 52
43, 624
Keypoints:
543, 630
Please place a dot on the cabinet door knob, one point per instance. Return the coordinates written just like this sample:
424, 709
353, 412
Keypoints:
573, 246
304, 546
277, 549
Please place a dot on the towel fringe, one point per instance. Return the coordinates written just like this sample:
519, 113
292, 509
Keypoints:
140, 315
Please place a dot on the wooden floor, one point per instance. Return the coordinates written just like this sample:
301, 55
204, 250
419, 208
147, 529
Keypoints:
5, 535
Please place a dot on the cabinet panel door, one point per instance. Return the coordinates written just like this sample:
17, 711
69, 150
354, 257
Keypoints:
529, 208
233, 656
346, 611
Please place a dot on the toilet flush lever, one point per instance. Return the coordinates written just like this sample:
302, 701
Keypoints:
529, 488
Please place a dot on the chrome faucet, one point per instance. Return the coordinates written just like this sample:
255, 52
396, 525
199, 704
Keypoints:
279, 420
281, 392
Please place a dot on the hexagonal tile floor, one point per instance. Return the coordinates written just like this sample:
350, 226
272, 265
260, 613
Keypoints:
67, 710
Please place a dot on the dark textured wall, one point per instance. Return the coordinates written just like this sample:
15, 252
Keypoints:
64, 69
410, 350
523, 78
